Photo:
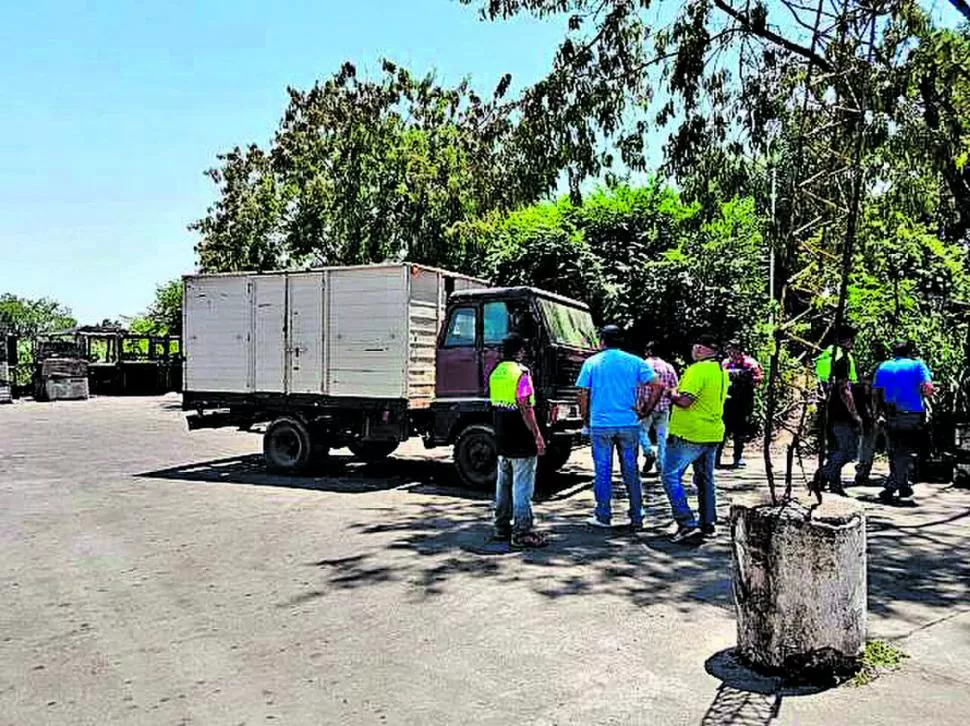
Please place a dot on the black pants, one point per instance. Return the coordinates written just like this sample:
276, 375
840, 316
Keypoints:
904, 434
737, 424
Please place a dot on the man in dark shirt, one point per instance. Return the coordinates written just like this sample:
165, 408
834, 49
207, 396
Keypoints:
844, 425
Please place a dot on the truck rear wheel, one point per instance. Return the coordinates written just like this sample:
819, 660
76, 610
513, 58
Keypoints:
476, 456
287, 446
372, 450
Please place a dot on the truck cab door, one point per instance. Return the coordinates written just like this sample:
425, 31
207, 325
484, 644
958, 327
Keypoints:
457, 362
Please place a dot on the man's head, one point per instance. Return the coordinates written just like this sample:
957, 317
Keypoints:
650, 349
513, 347
611, 336
734, 349
846, 339
902, 348
705, 346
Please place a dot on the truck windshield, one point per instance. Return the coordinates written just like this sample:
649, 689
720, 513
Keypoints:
568, 325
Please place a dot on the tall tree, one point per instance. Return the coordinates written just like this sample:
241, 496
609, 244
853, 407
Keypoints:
366, 170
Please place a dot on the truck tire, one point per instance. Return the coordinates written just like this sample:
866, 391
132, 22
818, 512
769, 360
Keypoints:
287, 446
372, 450
476, 456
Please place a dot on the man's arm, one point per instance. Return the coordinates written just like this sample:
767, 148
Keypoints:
682, 400
584, 405
757, 374
529, 416
845, 391
648, 396
926, 387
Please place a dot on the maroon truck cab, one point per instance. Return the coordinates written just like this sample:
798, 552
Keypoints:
560, 335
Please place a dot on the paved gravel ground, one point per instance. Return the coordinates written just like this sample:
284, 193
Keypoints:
160, 577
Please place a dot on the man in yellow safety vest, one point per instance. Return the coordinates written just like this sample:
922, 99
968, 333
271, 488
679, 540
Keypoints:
519, 442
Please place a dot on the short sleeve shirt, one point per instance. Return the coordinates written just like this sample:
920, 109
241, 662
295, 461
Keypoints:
613, 378
524, 388
702, 422
901, 380
667, 376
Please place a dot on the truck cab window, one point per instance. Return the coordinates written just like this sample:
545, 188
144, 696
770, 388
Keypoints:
461, 328
496, 323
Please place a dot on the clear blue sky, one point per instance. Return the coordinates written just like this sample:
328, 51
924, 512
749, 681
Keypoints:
111, 112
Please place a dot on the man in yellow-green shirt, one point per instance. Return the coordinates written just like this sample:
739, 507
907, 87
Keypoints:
696, 431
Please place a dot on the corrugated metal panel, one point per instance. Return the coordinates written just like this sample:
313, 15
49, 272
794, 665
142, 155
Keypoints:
218, 321
367, 342
306, 332
269, 334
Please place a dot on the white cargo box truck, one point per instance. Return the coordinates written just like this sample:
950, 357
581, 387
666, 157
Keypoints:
364, 357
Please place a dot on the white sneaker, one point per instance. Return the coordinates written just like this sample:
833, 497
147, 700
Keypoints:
597, 522
685, 533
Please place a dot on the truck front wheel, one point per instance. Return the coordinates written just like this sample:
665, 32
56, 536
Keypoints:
476, 456
287, 446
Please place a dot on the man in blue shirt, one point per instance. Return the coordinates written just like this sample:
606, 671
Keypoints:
900, 386
614, 395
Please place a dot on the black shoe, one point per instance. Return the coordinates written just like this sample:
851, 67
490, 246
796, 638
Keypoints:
648, 463
709, 530
837, 490
906, 491
501, 536
886, 497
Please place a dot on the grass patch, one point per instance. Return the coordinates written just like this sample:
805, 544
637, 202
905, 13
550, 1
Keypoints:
877, 658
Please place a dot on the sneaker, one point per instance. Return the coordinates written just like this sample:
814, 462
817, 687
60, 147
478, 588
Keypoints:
597, 522
709, 530
740, 464
648, 463
886, 497
684, 534
906, 491
529, 541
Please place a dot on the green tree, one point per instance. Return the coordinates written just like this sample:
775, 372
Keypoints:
27, 318
364, 171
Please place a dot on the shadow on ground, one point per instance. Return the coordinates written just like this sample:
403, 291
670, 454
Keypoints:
436, 541
746, 697
347, 475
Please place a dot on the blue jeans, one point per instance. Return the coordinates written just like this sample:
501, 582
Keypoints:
514, 487
659, 421
625, 440
681, 454
845, 448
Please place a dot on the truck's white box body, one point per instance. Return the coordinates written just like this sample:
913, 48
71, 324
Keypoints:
341, 331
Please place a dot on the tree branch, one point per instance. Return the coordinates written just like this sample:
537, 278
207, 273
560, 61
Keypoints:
773, 37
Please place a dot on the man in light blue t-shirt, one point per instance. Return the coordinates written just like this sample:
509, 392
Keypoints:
614, 396
900, 385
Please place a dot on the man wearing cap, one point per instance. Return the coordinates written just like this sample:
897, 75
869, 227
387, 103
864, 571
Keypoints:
519, 442
900, 386
696, 431
613, 396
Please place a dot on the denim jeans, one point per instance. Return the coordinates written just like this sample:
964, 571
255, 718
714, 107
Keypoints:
681, 454
625, 439
903, 430
846, 445
514, 487
659, 421
867, 450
